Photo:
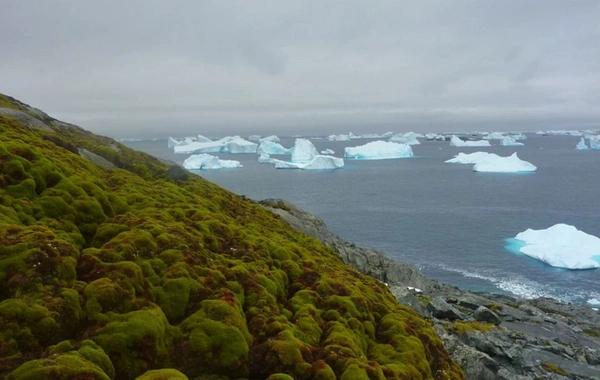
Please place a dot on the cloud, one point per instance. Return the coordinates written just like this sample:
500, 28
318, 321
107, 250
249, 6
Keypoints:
118, 67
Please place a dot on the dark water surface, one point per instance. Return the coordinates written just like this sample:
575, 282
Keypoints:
448, 220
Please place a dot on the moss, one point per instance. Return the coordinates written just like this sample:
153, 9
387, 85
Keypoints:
460, 327
592, 332
550, 367
163, 374
280, 376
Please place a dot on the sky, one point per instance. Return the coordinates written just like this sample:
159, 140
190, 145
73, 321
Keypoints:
153, 68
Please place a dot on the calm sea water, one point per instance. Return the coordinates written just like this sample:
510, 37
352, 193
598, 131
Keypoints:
446, 219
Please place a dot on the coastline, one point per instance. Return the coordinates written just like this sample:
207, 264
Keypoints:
490, 336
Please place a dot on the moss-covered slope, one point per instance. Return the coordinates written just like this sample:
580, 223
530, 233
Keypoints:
122, 273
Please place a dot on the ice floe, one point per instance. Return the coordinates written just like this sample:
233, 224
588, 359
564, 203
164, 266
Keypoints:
378, 150
206, 161
561, 245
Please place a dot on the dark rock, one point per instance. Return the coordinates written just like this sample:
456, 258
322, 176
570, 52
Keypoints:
484, 314
443, 310
407, 298
98, 160
177, 173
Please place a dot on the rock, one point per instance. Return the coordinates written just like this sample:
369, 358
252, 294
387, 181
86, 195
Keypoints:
443, 310
177, 173
407, 298
25, 118
100, 161
484, 314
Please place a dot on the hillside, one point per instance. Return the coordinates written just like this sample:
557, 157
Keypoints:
114, 265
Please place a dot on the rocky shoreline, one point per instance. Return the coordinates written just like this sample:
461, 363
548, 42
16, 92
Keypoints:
490, 336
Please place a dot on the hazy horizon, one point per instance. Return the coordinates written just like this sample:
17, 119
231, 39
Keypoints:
154, 69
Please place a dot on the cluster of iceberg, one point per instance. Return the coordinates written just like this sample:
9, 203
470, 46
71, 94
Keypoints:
340, 137
594, 143
559, 133
206, 161
561, 245
510, 141
229, 144
582, 145
494, 136
409, 138
435, 136
351, 136
456, 141
271, 147
305, 156
492, 163
378, 150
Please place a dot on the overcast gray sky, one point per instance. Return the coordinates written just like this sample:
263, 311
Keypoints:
158, 68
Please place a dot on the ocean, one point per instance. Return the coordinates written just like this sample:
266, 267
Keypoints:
449, 221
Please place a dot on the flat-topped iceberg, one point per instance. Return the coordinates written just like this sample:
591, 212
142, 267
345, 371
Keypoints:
456, 141
378, 150
509, 141
271, 147
581, 145
318, 162
304, 151
561, 245
206, 161
468, 158
229, 144
327, 151
496, 164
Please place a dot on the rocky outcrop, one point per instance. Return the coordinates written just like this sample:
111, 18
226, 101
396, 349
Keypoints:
490, 336
96, 159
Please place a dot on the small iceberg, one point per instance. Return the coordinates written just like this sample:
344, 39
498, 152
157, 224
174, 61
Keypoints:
510, 141
327, 151
456, 141
340, 137
265, 158
206, 161
378, 150
562, 246
494, 136
316, 163
229, 144
594, 142
468, 158
581, 145
272, 138
409, 138
272, 147
496, 164
435, 136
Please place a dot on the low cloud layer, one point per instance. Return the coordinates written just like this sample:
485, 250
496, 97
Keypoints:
154, 67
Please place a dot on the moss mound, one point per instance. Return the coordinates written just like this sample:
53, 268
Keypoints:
129, 273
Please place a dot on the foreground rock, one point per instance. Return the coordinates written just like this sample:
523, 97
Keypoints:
489, 336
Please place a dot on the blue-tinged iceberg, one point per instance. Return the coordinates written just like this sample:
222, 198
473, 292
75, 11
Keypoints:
264, 158
272, 138
594, 142
581, 145
271, 147
456, 141
205, 161
494, 136
230, 144
435, 136
378, 150
409, 138
340, 137
318, 162
496, 164
509, 141
468, 158
561, 245
303, 151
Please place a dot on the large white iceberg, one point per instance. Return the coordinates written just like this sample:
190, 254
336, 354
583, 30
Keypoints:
509, 141
378, 150
456, 141
581, 145
206, 161
561, 245
316, 163
271, 147
493, 163
229, 144
304, 151
468, 158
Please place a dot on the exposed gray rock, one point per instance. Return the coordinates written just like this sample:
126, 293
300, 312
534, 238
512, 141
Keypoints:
408, 298
484, 314
443, 310
98, 160
177, 173
25, 118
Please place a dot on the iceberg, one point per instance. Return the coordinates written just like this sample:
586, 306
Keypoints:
562, 246
594, 142
339, 138
496, 164
272, 138
201, 138
455, 141
519, 136
493, 136
581, 145
435, 136
230, 144
327, 151
469, 158
509, 141
271, 147
264, 158
303, 151
409, 138
378, 150
316, 163
206, 161
172, 142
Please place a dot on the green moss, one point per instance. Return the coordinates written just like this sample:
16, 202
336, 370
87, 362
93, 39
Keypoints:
163, 374
592, 332
550, 367
460, 327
